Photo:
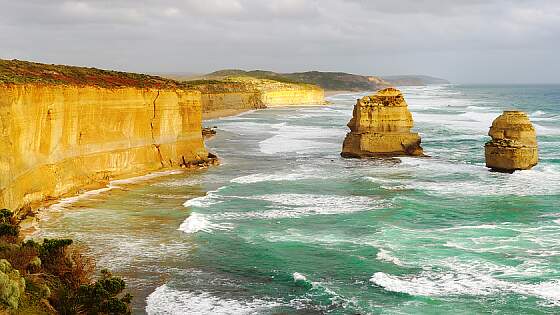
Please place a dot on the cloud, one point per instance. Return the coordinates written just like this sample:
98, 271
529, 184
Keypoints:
460, 40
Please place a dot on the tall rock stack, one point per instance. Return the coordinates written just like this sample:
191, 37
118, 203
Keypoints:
513, 145
380, 127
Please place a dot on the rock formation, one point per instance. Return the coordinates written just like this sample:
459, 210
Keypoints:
513, 145
380, 126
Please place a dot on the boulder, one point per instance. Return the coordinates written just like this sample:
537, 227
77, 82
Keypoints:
513, 145
380, 127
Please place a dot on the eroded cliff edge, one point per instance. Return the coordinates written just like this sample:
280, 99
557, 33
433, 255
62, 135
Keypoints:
58, 135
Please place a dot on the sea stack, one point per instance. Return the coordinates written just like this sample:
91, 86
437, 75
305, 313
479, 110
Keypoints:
380, 127
513, 145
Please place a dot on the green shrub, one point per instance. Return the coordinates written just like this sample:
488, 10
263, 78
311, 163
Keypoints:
102, 296
31, 272
53, 247
12, 285
7, 229
6, 216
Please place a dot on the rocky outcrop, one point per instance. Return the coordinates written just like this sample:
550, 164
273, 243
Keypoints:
57, 139
514, 143
380, 126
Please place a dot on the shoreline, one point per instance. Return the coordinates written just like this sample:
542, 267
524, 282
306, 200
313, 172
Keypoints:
29, 224
223, 113
53, 208
58, 208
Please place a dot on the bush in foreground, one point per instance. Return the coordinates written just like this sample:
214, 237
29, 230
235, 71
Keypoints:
53, 277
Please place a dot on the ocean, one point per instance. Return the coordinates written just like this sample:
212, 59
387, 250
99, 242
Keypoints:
287, 226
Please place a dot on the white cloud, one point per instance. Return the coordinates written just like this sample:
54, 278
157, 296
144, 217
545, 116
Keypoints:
447, 38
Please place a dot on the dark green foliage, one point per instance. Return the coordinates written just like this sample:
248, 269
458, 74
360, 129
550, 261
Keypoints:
56, 271
65, 302
31, 243
6, 216
102, 296
8, 230
54, 247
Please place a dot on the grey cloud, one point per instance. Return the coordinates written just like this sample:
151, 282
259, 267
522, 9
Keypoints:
459, 40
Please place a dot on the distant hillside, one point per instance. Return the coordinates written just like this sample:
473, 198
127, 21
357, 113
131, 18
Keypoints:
332, 81
403, 80
327, 80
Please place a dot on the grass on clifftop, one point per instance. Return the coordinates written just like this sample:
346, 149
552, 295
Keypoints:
243, 83
25, 72
22, 72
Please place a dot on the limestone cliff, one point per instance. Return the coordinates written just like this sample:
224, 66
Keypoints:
232, 94
514, 143
380, 126
220, 98
57, 139
292, 95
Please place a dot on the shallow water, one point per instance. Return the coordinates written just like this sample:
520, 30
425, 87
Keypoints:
287, 226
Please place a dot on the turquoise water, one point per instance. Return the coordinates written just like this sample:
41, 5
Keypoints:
286, 226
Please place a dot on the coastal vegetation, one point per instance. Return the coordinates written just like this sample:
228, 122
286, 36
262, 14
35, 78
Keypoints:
26, 72
53, 277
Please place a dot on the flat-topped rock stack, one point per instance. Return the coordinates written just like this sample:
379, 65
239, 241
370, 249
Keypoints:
380, 127
514, 143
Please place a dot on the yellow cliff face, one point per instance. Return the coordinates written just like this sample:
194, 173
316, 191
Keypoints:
295, 96
58, 139
215, 104
380, 126
237, 94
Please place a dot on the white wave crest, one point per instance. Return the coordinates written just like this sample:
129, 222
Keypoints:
430, 283
211, 198
298, 277
300, 139
257, 178
385, 255
538, 113
197, 222
298, 205
167, 301
480, 182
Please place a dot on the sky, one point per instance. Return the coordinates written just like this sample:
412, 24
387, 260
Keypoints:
470, 41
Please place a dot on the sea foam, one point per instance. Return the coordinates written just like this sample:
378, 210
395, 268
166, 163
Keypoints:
165, 300
198, 222
430, 283
257, 178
